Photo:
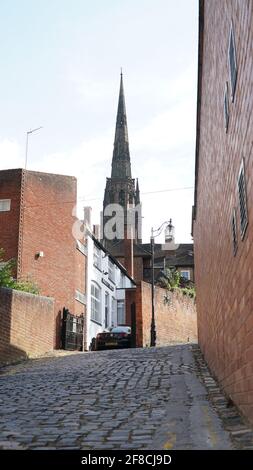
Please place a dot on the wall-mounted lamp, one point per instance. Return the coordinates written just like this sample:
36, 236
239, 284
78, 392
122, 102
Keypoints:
40, 254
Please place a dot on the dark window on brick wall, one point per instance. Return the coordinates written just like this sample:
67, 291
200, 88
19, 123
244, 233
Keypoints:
234, 232
232, 62
226, 107
242, 200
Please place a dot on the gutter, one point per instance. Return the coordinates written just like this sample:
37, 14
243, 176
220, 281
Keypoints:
199, 92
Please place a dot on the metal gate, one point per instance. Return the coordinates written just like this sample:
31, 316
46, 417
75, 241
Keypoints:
72, 331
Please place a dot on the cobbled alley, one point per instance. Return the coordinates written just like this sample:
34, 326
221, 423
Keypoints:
123, 399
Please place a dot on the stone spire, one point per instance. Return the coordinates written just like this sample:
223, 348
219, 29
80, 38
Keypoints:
121, 166
120, 187
137, 193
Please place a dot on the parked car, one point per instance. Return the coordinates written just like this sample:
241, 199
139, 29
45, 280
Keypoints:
118, 337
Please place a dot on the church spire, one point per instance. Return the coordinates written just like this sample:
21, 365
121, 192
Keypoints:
121, 166
137, 193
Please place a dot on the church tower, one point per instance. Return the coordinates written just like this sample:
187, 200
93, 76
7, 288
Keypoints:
121, 188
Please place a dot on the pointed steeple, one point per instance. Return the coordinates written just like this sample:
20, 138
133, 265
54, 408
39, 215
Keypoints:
121, 188
137, 193
121, 165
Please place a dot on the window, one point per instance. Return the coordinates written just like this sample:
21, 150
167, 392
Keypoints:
106, 310
122, 198
234, 232
242, 200
5, 205
97, 257
121, 312
232, 62
186, 274
95, 304
226, 108
111, 273
80, 297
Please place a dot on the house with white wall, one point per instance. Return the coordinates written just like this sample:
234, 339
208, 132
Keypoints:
107, 281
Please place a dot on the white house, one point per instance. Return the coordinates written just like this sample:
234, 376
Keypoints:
107, 281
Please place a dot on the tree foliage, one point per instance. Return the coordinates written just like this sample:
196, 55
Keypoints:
171, 280
7, 279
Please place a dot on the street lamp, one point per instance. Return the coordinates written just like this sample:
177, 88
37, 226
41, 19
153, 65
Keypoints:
152, 240
27, 135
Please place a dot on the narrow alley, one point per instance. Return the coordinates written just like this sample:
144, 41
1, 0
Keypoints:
129, 399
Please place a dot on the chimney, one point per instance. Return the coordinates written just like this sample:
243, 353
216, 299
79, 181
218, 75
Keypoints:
96, 231
129, 250
87, 215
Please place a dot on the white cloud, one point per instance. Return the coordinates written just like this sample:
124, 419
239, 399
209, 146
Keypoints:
170, 129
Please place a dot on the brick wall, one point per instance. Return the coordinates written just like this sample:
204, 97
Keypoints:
224, 281
175, 323
47, 226
10, 188
80, 280
41, 220
138, 266
26, 324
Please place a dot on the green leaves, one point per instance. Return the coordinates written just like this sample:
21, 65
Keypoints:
6, 270
7, 280
172, 280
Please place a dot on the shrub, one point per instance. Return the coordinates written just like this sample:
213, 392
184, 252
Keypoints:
7, 279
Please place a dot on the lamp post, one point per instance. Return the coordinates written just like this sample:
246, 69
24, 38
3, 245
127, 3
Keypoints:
152, 245
153, 329
27, 135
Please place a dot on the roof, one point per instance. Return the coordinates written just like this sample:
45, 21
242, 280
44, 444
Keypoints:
139, 250
182, 256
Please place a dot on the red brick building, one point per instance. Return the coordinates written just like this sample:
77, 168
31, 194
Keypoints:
36, 220
223, 211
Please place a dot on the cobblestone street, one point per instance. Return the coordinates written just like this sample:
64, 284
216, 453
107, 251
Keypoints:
127, 399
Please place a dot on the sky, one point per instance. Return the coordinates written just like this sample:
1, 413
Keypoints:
60, 64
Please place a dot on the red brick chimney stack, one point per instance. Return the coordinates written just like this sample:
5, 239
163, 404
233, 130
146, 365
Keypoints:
129, 250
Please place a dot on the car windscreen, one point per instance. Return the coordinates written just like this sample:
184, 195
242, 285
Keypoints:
123, 329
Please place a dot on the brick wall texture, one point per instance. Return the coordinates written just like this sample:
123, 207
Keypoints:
138, 266
176, 322
26, 324
10, 188
224, 281
47, 226
41, 220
